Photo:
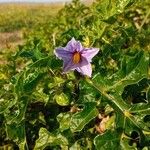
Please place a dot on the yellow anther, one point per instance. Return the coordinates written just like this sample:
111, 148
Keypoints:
76, 57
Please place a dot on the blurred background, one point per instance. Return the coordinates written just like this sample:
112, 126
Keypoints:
33, 1
18, 17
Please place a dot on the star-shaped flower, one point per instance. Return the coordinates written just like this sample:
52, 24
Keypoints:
76, 57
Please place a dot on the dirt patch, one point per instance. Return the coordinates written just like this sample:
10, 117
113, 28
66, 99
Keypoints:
8, 43
10, 40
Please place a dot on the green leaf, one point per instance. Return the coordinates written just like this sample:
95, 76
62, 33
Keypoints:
87, 93
33, 52
5, 104
132, 71
82, 144
136, 122
31, 81
49, 139
122, 4
15, 125
79, 120
43, 62
148, 94
120, 120
27, 54
109, 140
75, 146
62, 99
64, 121
37, 52
124, 143
71, 33
16, 113
16, 132
18, 86
106, 9
55, 63
140, 108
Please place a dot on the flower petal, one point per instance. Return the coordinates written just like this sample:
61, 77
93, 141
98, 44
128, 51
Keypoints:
85, 70
71, 45
78, 46
83, 62
61, 53
89, 53
68, 65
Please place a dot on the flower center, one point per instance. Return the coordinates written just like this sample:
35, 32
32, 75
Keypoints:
76, 57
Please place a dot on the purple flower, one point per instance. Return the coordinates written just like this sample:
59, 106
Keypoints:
76, 57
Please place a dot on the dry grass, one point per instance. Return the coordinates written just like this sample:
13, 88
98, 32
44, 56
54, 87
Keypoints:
14, 18
9, 40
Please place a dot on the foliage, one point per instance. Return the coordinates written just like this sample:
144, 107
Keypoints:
43, 108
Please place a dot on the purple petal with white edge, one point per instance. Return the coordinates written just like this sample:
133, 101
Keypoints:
63, 54
71, 45
89, 53
85, 70
78, 46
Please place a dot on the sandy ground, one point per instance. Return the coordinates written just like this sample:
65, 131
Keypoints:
8, 43
10, 40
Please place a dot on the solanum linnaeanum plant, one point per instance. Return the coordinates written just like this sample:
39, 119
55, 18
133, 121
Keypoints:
41, 108
76, 57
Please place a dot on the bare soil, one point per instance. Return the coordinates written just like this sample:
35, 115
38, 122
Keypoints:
8, 43
10, 40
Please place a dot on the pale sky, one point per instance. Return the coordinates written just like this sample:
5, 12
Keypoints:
1, 1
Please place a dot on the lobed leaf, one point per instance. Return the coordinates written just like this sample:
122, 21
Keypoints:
49, 139
79, 120
109, 140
